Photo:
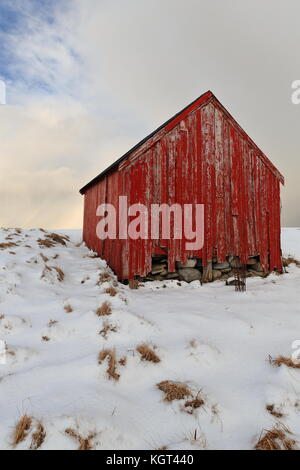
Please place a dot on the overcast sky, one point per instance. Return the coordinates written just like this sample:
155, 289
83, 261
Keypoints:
87, 79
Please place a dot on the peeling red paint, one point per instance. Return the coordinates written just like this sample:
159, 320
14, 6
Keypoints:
201, 156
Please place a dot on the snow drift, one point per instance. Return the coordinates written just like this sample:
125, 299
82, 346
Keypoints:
77, 360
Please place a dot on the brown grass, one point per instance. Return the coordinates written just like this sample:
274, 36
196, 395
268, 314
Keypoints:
52, 323
104, 277
123, 361
4, 246
193, 343
111, 291
174, 390
44, 258
147, 353
68, 308
38, 437
276, 439
52, 239
45, 338
21, 430
193, 404
45, 243
46, 268
133, 284
84, 442
105, 309
112, 362
59, 272
290, 260
282, 360
271, 409
106, 328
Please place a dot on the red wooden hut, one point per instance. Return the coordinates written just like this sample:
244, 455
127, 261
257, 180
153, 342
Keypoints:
200, 155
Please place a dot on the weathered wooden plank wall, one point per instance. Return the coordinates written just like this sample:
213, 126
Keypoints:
202, 156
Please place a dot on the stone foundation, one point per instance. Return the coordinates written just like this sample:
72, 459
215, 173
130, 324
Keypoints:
193, 269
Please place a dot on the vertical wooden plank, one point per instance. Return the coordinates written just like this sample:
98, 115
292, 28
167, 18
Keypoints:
277, 224
234, 160
164, 182
125, 243
199, 168
243, 217
252, 240
172, 194
256, 201
220, 202
227, 190
264, 216
272, 235
192, 177
182, 171
208, 179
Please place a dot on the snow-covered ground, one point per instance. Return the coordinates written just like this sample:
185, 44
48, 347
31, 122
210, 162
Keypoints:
215, 340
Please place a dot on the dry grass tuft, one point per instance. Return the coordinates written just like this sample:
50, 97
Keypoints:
104, 277
282, 360
193, 343
147, 353
106, 328
45, 243
112, 362
52, 323
68, 308
21, 430
105, 309
4, 246
38, 437
133, 284
45, 338
276, 439
52, 239
60, 274
271, 409
44, 258
174, 390
111, 291
290, 260
123, 361
193, 404
58, 239
84, 442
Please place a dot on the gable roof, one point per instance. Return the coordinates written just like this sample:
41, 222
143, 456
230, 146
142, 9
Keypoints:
172, 122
